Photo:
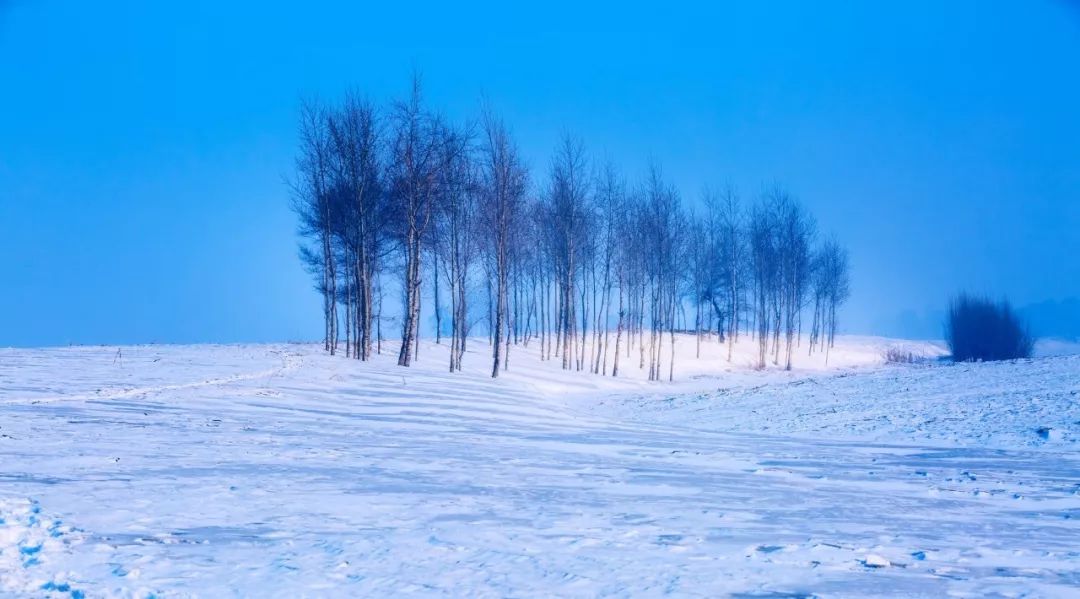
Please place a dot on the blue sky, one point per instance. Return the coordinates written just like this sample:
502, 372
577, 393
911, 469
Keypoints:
143, 147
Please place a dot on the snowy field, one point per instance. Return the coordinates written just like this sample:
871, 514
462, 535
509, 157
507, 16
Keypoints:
275, 470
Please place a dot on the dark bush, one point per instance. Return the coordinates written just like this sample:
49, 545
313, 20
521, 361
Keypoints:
895, 355
980, 329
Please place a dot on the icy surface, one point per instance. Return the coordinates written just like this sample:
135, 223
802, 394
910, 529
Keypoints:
274, 470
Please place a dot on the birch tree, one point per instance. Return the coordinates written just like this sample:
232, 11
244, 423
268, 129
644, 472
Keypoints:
313, 203
456, 232
363, 224
566, 215
503, 183
403, 193
412, 177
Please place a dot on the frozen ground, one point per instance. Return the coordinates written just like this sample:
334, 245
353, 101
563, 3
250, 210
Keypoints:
274, 470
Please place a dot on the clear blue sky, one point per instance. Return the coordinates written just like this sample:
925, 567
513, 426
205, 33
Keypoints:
143, 147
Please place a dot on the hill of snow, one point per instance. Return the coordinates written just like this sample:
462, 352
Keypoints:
276, 470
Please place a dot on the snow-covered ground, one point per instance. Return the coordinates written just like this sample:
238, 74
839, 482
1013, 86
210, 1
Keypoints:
275, 470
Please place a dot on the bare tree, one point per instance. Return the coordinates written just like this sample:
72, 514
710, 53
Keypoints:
503, 183
662, 221
313, 203
609, 202
764, 263
566, 215
832, 283
563, 267
700, 266
413, 186
727, 226
796, 231
362, 228
455, 225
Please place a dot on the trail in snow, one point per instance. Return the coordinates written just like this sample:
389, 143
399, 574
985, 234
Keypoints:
36, 375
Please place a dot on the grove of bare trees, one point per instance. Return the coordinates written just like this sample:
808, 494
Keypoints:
575, 263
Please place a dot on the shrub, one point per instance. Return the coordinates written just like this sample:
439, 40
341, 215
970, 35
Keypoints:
980, 329
896, 355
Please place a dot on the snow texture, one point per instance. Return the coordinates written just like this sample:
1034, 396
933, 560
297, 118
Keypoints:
276, 470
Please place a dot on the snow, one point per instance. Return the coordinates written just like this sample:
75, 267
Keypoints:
1011, 405
275, 470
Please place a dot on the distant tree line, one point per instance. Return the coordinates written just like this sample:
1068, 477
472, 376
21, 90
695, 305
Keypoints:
591, 270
